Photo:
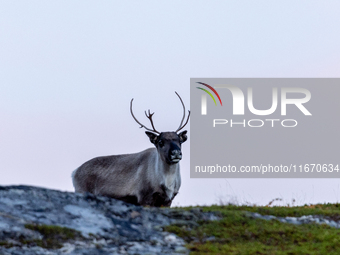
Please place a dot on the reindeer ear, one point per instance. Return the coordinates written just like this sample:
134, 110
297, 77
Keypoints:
183, 136
153, 137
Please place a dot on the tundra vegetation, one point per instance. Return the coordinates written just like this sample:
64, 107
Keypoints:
40, 221
53, 237
237, 233
234, 233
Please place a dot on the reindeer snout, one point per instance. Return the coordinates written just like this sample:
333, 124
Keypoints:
175, 155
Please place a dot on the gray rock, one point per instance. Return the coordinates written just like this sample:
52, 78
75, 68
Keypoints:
305, 219
104, 225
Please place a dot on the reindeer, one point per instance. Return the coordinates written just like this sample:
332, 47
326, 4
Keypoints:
150, 177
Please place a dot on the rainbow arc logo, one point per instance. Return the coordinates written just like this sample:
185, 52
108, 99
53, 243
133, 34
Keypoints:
208, 92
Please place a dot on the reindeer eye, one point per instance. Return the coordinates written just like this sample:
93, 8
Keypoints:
161, 143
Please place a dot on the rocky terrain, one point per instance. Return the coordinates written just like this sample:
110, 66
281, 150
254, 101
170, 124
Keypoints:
305, 219
41, 221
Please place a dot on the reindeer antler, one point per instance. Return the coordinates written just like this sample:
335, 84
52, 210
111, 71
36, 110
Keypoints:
148, 116
180, 125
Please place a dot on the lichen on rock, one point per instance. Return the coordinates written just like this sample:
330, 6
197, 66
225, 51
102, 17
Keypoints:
42, 221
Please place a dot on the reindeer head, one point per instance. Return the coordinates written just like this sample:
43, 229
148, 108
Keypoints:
168, 144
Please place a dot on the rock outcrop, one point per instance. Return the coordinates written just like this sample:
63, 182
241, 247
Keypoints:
42, 221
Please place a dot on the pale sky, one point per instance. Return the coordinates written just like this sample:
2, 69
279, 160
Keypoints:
68, 71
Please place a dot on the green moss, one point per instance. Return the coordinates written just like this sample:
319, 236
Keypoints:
236, 233
53, 236
51, 231
332, 211
6, 244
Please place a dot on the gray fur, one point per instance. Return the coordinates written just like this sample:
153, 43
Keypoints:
150, 177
